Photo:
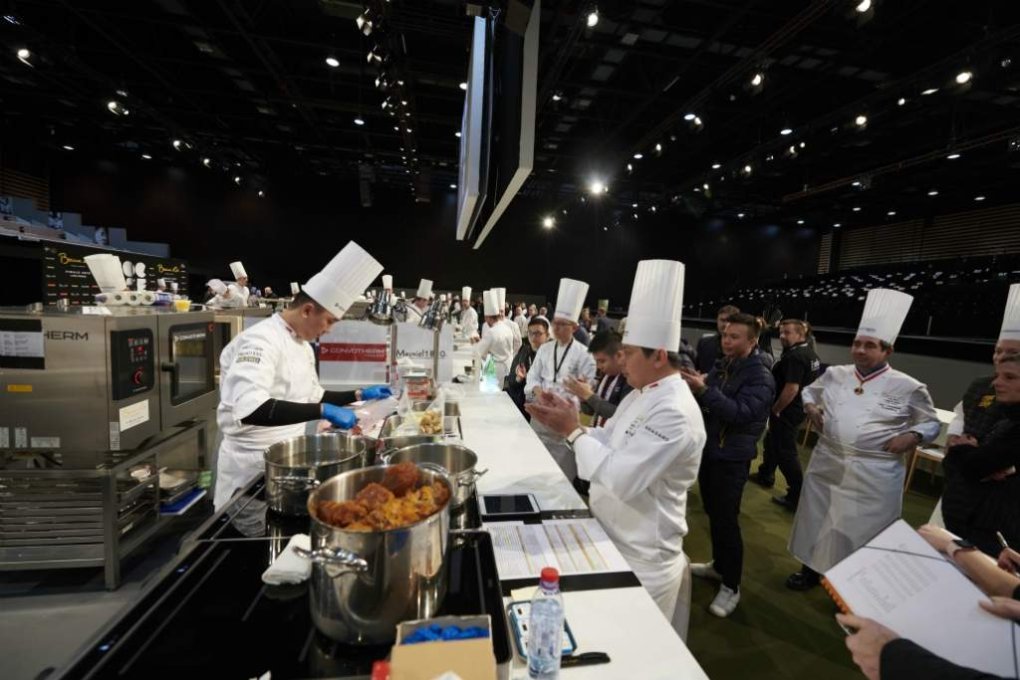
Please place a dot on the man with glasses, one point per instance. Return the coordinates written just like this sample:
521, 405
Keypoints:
538, 335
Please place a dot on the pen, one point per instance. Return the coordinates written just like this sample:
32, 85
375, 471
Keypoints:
1005, 546
586, 659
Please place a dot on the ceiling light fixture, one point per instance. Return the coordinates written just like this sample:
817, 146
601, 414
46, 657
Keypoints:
24, 55
930, 90
758, 79
933, 192
800, 221
979, 198
593, 17
863, 6
630, 167
716, 166
237, 179
463, 86
891, 213
548, 222
262, 194
556, 96
689, 116
658, 148
857, 208
740, 216
68, 147
786, 132
861, 121
953, 156
964, 77
364, 22
457, 134
146, 156
359, 121
332, 61
177, 144
638, 156
748, 169
633, 205
836, 225
901, 101
207, 162
597, 187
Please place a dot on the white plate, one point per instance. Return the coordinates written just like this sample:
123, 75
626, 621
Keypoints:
140, 269
128, 267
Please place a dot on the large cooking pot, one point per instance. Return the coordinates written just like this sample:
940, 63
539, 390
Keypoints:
458, 462
295, 466
364, 583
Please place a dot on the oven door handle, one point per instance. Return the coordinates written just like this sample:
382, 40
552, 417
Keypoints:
171, 368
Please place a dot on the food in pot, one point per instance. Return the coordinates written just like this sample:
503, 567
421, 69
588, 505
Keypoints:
397, 502
431, 423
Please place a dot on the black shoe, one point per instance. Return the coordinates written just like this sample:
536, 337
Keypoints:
786, 502
802, 581
761, 480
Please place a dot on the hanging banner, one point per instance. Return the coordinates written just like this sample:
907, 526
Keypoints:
354, 353
65, 274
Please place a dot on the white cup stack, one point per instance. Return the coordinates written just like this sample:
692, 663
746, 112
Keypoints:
107, 272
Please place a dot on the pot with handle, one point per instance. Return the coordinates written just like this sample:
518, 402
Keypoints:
296, 466
457, 461
364, 583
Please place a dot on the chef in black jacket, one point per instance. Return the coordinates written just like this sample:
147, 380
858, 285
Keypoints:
796, 369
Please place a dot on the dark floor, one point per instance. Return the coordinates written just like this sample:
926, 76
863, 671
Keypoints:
775, 632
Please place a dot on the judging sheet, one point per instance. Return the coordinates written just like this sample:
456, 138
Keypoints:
572, 546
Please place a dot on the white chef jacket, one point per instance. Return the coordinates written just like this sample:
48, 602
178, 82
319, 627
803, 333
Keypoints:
499, 343
266, 361
469, 323
641, 465
522, 323
515, 332
414, 315
233, 301
852, 488
577, 363
240, 292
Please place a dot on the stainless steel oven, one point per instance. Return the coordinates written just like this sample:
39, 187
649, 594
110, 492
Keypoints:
187, 363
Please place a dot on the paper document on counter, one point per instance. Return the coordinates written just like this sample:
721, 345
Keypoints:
572, 546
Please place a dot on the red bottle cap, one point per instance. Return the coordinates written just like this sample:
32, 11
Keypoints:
550, 575
381, 670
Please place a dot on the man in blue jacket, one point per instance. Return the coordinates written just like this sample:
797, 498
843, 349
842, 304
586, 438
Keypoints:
735, 399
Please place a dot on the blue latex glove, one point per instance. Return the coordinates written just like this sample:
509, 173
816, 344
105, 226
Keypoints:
339, 416
376, 392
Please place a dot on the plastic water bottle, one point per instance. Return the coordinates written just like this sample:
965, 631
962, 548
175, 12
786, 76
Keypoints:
545, 629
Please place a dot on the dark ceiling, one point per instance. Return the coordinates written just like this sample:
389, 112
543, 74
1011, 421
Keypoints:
246, 85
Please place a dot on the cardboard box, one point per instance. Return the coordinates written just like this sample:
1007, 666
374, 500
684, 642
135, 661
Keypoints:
469, 659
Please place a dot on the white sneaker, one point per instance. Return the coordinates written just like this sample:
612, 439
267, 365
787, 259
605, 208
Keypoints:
705, 570
725, 602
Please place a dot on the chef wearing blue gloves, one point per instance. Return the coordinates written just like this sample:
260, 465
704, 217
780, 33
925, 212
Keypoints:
269, 388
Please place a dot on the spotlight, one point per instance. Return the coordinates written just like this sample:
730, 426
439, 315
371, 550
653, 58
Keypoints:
24, 55
597, 187
963, 77
114, 107
953, 156
836, 225
740, 216
689, 117
800, 221
891, 213
237, 179
593, 17
463, 86
658, 148
68, 147
863, 6
758, 79
633, 205
364, 22
979, 198
548, 222
557, 96
630, 167
638, 156
262, 194
206, 162
375, 56
705, 186
146, 156
901, 101
861, 121
857, 208
332, 62
716, 166
652, 208
786, 132
747, 170
930, 90
933, 192
803, 144
457, 134
177, 144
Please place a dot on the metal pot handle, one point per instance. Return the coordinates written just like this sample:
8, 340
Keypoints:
471, 476
292, 483
341, 561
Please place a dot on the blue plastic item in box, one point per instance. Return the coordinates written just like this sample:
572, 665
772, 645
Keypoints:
435, 633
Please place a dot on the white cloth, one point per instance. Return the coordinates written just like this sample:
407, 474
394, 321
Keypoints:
264, 362
289, 567
852, 488
469, 323
884, 313
515, 331
499, 343
656, 300
641, 465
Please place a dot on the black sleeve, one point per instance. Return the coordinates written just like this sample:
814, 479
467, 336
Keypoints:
275, 412
338, 398
599, 406
977, 462
795, 371
905, 659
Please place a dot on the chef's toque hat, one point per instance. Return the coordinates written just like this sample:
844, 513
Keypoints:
570, 299
465, 293
1011, 318
491, 303
500, 299
173, 286
295, 288
341, 281
387, 281
217, 286
237, 269
424, 289
884, 313
656, 305
161, 283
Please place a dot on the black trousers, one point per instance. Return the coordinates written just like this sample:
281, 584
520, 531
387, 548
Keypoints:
780, 451
722, 486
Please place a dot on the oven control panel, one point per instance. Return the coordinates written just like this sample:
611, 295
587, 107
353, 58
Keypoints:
132, 362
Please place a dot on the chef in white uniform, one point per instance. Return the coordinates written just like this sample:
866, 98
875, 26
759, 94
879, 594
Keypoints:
468, 316
240, 286
269, 389
417, 308
498, 341
224, 296
515, 330
557, 360
646, 457
870, 418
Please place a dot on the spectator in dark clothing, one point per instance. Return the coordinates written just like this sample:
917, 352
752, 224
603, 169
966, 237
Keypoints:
538, 334
602, 323
600, 403
735, 399
710, 345
881, 653
688, 357
797, 368
581, 334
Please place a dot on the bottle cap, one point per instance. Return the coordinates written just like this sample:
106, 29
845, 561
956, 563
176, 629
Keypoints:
550, 575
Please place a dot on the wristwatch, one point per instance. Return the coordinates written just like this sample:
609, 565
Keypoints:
920, 437
574, 436
959, 544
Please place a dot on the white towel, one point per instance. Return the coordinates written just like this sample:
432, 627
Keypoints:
289, 567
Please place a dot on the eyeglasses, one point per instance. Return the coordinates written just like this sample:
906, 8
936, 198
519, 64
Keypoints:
535, 334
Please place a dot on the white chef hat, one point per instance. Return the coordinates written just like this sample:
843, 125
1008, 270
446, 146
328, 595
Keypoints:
570, 299
884, 313
161, 283
656, 303
465, 293
341, 281
387, 281
1011, 318
107, 271
424, 289
500, 298
237, 269
491, 300
295, 288
173, 286
442, 297
217, 286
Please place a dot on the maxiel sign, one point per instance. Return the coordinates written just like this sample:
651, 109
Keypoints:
352, 351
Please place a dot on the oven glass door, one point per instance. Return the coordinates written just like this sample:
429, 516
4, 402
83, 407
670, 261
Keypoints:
191, 352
